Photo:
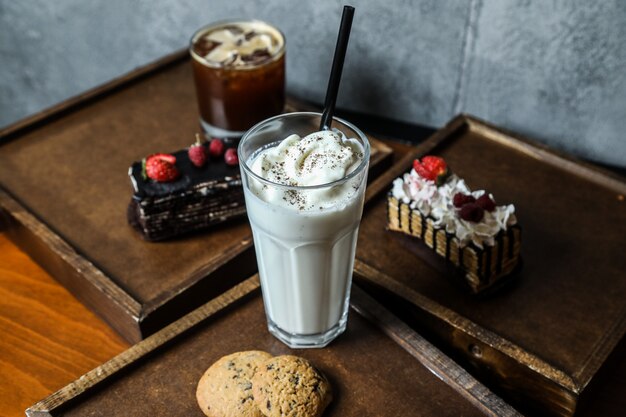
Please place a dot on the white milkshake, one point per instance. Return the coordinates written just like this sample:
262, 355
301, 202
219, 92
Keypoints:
304, 203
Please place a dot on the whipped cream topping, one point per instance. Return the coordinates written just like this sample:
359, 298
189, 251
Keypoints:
437, 202
317, 159
242, 44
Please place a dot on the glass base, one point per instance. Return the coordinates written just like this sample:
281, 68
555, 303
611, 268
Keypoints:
218, 132
308, 341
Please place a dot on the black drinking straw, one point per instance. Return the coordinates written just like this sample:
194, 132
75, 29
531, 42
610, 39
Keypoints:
335, 72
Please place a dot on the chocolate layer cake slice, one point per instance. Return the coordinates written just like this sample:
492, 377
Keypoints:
467, 229
198, 198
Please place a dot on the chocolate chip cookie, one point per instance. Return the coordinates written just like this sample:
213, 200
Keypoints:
225, 389
289, 386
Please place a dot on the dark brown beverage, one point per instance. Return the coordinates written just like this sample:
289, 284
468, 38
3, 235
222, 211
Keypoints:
239, 71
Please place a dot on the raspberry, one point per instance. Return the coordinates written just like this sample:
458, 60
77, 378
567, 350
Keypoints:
161, 167
197, 153
486, 203
471, 212
216, 148
230, 157
460, 199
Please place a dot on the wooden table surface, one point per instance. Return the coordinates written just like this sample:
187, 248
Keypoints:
48, 338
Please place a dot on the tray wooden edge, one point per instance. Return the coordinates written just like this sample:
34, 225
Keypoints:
429, 356
545, 154
60, 259
11, 131
228, 255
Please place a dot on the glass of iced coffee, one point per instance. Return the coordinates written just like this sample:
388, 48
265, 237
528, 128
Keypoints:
239, 73
304, 192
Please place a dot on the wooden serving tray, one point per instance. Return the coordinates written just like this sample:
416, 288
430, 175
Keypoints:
542, 338
64, 190
379, 367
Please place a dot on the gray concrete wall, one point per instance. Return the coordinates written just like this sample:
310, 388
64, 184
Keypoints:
554, 70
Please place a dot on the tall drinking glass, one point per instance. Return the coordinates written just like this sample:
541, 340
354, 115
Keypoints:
305, 254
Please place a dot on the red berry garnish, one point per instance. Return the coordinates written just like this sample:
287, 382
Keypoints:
161, 167
486, 203
435, 164
460, 199
422, 171
471, 212
230, 157
216, 148
197, 153
432, 168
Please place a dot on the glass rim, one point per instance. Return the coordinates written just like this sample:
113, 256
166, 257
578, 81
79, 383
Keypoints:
278, 55
364, 162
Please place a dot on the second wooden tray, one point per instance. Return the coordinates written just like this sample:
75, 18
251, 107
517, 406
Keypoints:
379, 367
543, 338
